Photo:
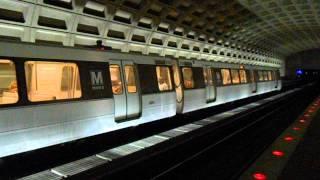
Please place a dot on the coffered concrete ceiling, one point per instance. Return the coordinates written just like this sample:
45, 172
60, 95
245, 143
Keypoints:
258, 32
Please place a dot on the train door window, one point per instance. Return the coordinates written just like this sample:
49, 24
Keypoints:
116, 79
218, 78
243, 76
187, 77
235, 76
198, 77
277, 74
250, 76
48, 81
226, 76
130, 79
270, 76
8, 82
265, 75
207, 73
164, 78
273, 75
255, 76
260, 74
148, 79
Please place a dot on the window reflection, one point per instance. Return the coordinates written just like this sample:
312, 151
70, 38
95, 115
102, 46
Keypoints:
187, 78
47, 81
8, 83
116, 79
164, 78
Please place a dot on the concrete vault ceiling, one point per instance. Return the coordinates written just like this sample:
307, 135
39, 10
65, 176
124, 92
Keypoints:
285, 26
256, 32
222, 22
279, 27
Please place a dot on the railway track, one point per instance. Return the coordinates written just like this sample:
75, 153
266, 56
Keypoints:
249, 135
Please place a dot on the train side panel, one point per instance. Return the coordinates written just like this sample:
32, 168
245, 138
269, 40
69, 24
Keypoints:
194, 99
158, 106
32, 127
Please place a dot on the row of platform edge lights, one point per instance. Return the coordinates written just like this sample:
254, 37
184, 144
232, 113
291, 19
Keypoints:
290, 137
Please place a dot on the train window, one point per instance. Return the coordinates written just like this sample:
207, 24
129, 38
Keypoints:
78, 85
187, 77
116, 79
130, 79
274, 75
48, 81
255, 76
226, 76
67, 72
164, 78
243, 76
270, 76
218, 77
248, 76
260, 74
8, 82
198, 77
235, 76
265, 75
277, 75
148, 79
207, 73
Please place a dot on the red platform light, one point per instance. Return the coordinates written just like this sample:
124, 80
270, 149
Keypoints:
259, 176
296, 128
307, 115
302, 121
277, 153
288, 138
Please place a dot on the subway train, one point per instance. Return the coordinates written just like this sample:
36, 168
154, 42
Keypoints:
52, 95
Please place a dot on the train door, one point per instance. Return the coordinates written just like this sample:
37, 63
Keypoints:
177, 76
254, 81
125, 90
210, 85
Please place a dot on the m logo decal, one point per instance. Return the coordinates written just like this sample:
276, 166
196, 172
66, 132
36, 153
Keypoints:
97, 80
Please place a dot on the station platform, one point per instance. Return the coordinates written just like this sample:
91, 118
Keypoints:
295, 153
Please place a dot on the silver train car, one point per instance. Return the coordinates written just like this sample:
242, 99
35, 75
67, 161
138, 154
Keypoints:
52, 95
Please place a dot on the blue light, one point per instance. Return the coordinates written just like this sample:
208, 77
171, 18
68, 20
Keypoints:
299, 72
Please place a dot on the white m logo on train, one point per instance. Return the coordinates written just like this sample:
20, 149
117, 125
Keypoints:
97, 80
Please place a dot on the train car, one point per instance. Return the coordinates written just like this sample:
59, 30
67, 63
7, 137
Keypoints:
206, 84
52, 95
